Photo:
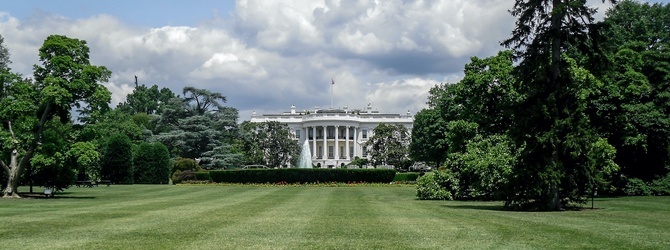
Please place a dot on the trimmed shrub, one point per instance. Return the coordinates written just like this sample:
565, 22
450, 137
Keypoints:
406, 177
636, 187
437, 185
183, 164
180, 176
295, 175
117, 160
202, 176
152, 163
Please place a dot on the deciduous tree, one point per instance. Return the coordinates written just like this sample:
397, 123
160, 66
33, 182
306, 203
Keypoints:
64, 80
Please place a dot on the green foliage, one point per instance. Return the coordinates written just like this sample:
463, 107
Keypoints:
64, 80
146, 100
633, 110
48, 164
405, 177
295, 175
117, 160
269, 143
485, 167
223, 157
4, 55
151, 163
389, 145
636, 187
110, 123
183, 164
202, 176
85, 157
358, 161
181, 176
661, 186
428, 141
436, 185
196, 124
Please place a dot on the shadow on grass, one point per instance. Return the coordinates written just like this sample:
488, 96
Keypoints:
477, 207
489, 207
63, 195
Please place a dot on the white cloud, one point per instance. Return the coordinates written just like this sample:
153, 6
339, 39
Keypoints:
269, 55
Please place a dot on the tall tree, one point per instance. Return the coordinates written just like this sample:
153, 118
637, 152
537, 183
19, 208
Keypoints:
271, 143
4, 55
149, 100
428, 142
196, 123
389, 145
64, 80
633, 111
550, 121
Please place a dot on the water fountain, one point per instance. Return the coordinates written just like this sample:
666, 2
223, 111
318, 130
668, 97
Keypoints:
305, 156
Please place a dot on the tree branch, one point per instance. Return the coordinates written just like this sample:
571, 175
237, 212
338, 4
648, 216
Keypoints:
37, 135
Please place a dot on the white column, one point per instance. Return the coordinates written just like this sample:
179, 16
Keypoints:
325, 145
337, 147
346, 143
355, 141
314, 143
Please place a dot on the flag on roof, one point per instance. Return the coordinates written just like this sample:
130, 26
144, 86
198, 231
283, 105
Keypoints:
332, 81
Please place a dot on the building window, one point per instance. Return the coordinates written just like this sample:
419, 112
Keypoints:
320, 153
297, 133
365, 134
351, 152
331, 133
330, 152
342, 155
365, 152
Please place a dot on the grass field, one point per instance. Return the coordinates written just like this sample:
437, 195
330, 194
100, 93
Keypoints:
246, 217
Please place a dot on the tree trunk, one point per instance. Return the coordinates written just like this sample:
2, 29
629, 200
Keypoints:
557, 15
11, 190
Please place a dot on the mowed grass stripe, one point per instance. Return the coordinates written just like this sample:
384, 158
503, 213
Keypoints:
347, 221
111, 224
179, 224
244, 217
277, 223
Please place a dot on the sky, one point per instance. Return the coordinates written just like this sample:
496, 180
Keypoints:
265, 56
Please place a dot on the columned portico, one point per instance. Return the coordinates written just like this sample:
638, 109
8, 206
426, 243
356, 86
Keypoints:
351, 128
314, 143
346, 142
337, 147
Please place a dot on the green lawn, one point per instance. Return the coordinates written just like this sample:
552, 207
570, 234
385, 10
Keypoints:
245, 217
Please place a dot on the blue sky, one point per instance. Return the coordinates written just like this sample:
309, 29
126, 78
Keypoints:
147, 13
266, 55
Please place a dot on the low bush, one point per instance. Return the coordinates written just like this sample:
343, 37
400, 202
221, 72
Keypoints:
183, 164
181, 176
406, 177
437, 185
294, 175
661, 186
636, 187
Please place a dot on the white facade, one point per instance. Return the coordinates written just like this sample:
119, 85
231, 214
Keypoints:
335, 136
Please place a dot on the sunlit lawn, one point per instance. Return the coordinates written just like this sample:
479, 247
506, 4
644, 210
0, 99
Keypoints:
235, 217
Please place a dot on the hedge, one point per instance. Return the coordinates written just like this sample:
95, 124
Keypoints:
202, 176
296, 175
412, 176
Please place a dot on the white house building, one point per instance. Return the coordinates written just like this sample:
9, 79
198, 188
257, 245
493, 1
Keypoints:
335, 136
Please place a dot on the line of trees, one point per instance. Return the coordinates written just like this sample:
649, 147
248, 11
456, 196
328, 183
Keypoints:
575, 107
132, 143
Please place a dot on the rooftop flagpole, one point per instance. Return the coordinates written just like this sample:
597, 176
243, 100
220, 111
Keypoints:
332, 83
